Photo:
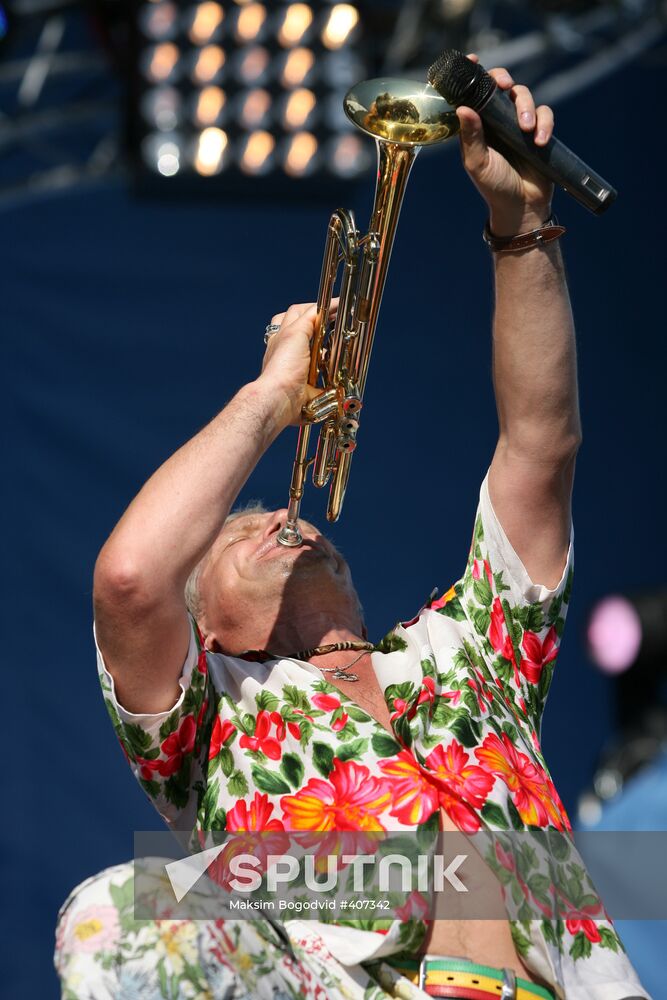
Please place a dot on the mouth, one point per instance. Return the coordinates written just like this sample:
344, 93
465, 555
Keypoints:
272, 546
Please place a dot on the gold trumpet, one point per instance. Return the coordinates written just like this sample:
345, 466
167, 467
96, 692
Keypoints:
402, 116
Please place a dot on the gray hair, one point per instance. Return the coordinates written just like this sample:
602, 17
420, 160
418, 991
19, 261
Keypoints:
193, 600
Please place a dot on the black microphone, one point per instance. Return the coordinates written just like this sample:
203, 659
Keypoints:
461, 81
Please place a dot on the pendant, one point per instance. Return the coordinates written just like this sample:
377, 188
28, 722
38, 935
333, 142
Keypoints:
340, 674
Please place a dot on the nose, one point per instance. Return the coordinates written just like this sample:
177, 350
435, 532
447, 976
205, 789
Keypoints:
274, 522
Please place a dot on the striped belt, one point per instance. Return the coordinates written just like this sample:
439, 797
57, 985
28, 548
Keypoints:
463, 980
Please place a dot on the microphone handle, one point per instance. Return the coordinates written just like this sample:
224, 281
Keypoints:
554, 160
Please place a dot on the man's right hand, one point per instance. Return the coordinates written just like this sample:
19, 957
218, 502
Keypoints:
287, 358
142, 624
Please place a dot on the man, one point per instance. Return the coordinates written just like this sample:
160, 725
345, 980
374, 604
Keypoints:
323, 732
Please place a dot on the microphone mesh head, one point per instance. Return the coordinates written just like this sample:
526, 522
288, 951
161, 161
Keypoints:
459, 80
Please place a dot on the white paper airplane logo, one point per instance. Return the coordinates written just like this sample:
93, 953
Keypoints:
184, 873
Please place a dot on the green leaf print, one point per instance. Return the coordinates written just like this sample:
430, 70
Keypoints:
292, 768
237, 784
209, 804
609, 939
122, 896
323, 758
453, 609
266, 701
428, 667
499, 582
391, 643
219, 821
357, 714
384, 746
176, 788
581, 947
443, 715
511, 731
353, 750
295, 697
467, 731
515, 818
268, 781
481, 620
494, 816
530, 616
113, 715
403, 731
549, 933
405, 691
482, 591
226, 761
567, 592
521, 942
151, 788
138, 740
169, 726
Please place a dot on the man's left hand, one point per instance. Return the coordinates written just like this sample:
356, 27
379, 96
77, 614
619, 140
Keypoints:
519, 198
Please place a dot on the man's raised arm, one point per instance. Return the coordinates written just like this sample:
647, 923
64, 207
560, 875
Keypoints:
140, 575
534, 356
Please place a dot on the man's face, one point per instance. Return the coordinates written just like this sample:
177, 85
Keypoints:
249, 575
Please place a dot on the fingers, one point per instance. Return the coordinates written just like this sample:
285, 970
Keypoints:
474, 150
545, 124
299, 310
525, 107
538, 119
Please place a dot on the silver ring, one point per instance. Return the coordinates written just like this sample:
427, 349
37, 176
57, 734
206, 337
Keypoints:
270, 330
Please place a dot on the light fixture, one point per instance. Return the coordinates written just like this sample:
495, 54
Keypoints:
210, 152
244, 87
204, 23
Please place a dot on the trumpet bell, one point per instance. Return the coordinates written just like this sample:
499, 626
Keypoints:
401, 111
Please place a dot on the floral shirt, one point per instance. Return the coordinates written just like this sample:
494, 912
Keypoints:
273, 746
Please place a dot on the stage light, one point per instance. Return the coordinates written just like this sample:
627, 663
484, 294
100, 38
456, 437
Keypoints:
299, 109
205, 23
257, 154
298, 68
161, 63
209, 106
159, 21
208, 64
340, 24
254, 109
348, 156
162, 153
250, 88
210, 154
251, 66
250, 21
161, 108
295, 23
626, 631
614, 635
299, 158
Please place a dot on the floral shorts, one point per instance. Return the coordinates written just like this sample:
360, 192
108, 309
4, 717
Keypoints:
103, 953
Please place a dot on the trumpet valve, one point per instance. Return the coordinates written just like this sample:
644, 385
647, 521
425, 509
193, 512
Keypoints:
347, 435
352, 403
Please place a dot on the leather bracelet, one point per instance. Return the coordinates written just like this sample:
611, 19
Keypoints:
546, 233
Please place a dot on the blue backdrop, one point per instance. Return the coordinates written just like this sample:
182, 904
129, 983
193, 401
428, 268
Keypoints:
128, 324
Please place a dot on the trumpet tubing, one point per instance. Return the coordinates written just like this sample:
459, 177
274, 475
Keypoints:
402, 116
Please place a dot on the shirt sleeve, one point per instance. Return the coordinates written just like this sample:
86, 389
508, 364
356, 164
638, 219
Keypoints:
167, 750
518, 624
